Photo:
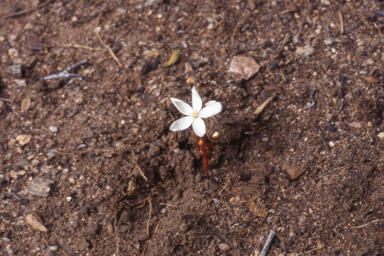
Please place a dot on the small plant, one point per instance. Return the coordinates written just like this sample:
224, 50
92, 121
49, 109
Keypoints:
194, 116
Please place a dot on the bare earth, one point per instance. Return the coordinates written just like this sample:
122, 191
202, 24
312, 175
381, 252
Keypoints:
95, 159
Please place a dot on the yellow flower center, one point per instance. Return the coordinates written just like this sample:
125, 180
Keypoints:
195, 114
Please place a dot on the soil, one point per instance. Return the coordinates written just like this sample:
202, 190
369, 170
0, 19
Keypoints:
94, 157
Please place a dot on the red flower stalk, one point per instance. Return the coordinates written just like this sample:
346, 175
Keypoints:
205, 149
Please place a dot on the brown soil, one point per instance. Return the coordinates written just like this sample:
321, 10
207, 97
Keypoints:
114, 180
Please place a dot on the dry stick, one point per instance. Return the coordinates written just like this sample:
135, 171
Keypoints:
29, 10
7, 100
150, 209
262, 106
117, 237
368, 223
81, 47
63, 251
341, 22
311, 97
109, 49
234, 32
138, 167
266, 245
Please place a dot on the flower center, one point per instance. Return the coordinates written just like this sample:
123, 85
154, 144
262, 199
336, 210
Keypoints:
195, 114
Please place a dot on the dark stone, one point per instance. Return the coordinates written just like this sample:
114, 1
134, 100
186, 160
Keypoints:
331, 128
343, 78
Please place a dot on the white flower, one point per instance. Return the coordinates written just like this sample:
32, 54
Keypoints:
194, 114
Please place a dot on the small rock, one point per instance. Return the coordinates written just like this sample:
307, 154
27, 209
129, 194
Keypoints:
13, 53
224, 247
23, 139
15, 70
8, 156
191, 80
135, 131
25, 105
20, 82
35, 162
272, 66
306, 50
40, 187
293, 7
381, 135
243, 67
35, 221
152, 2
13, 174
53, 129
53, 248
331, 144
50, 155
331, 128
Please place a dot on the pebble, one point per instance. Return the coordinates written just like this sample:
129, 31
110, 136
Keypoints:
216, 202
224, 247
40, 187
13, 53
15, 70
8, 156
53, 248
53, 129
35, 221
306, 50
35, 162
23, 139
243, 67
381, 135
331, 144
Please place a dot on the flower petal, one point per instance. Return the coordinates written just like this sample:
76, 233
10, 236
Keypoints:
182, 106
181, 124
211, 109
196, 100
199, 127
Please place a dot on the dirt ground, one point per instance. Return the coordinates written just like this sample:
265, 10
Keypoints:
93, 155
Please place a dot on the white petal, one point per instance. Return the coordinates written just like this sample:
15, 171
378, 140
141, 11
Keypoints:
182, 106
199, 127
210, 103
181, 124
196, 100
211, 109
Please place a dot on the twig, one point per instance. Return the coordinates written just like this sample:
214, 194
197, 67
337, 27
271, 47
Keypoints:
150, 209
341, 22
29, 10
266, 245
62, 75
81, 47
63, 251
12, 194
117, 237
109, 50
262, 106
324, 142
7, 100
66, 73
334, 116
368, 223
234, 32
138, 167
170, 205
311, 97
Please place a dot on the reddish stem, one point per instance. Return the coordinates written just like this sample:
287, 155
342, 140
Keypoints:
205, 149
